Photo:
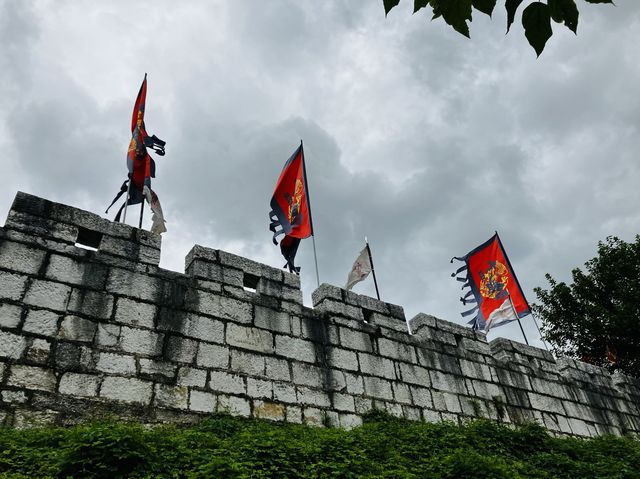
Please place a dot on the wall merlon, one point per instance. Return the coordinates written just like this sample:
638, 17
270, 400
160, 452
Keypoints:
85, 332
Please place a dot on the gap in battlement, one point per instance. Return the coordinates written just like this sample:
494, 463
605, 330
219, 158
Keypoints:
250, 282
88, 239
367, 313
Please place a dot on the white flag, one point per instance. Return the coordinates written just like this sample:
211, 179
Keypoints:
360, 269
157, 217
502, 314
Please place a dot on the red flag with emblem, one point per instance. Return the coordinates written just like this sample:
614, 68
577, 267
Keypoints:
492, 285
290, 214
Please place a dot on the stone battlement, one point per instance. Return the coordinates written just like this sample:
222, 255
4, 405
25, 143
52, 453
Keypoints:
91, 326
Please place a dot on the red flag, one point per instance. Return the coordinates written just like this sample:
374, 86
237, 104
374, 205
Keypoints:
289, 205
492, 283
141, 166
290, 213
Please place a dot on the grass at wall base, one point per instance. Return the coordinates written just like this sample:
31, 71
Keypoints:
383, 447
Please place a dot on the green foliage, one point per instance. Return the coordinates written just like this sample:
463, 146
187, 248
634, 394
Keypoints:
536, 17
595, 319
383, 447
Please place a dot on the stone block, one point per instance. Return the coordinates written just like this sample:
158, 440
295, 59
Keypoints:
11, 345
249, 338
259, 389
12, 285
268, 410
252, 267
363, 405
272, 320
141, 341
74, 328
212, 356
135, 313
203, 328
91, 303
113, 363
181, 350
83, 385
133, 285
295, 348
421, 397
283, 392
376, 366
39, 351
14, 397
447, 402
338, 308
546, 403
126, 389
396, 350
201, 401
131, 250
41, 322
10, 315
21, 258
358, 340
378, 388
226, 383
192, 377
448, 382
308, 375
487, 390
313, 397
344, 402
354, 383
46, 294
277, 369
235, 406
247, 363
176, 397
326, 291
342, 359
68, 270
151, 367
414, 374
107, 335
401, 393
32, 377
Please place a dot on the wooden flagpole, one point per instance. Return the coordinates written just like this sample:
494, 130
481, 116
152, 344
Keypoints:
306, 189
373, 270
141, 212
539, 332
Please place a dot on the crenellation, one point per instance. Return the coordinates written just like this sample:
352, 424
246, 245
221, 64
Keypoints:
84, 332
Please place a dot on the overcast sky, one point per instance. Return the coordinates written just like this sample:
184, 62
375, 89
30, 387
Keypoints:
415, 136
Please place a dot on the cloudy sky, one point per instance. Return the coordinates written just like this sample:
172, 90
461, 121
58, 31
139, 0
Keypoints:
415, 136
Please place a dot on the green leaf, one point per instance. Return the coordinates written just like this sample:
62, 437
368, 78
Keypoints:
418, 4
388, 5
565, 11
455, 13
536, 21
485, 6
511, 6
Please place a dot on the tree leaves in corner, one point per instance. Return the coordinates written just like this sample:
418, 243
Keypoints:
536, 20
484, 6
511, 6
564, 11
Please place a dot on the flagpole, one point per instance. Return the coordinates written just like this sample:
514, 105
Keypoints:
373, 270
518, 319
313, 236
126, 202
141, 212
539, 332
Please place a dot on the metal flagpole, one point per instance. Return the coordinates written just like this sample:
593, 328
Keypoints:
126, 202
306, 189
539, 332
141, 212
518, 319
373, 271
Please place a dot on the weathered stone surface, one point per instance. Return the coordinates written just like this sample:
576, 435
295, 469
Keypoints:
10, 315
357, 340
227, 383
91, 303
39, 351
126, 389
141, 341
152, 367
269, 410
12, 285
234, 405
68, 270
376, 366
201, 401
42, 322
212, 356
46, 294
295, 348
11, 345
31, 377
135, 313
83, 385
74, 328
248, 338
21, 258
247, 363
107, 335
116, 364
192, 377
171, 396
181, 349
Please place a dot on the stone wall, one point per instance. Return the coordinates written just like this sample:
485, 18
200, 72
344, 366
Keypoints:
87, 333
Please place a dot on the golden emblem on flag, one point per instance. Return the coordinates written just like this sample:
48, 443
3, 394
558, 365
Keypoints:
493, 281
294, 202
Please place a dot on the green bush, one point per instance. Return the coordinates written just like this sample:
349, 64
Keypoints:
383, 447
